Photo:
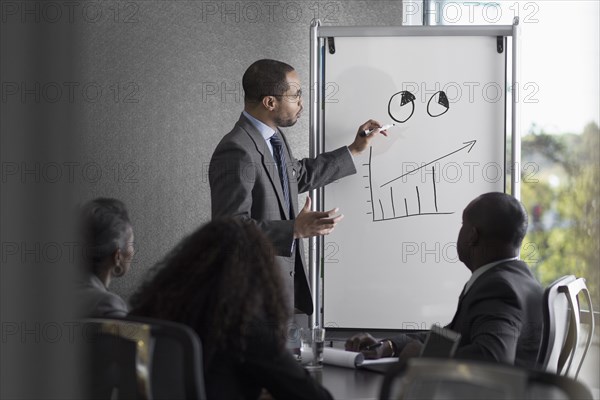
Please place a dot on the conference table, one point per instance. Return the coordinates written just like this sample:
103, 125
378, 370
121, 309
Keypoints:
349, 383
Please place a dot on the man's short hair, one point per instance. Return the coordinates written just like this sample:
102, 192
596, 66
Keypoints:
499, 217
265, 78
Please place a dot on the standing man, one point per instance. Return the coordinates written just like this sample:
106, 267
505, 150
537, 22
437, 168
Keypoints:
254, 176
499, 313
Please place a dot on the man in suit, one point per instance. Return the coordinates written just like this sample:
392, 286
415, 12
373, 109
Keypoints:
499, 314
254, 176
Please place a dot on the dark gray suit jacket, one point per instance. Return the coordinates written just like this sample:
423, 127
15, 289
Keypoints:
95, 301
244, 183
499, 318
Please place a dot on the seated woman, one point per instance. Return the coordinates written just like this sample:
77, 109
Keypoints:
222, 280
107, 253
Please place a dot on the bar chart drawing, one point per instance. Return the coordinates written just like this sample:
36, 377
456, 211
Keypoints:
412, 193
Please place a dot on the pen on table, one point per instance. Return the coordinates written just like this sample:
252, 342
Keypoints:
367, 132
373, 346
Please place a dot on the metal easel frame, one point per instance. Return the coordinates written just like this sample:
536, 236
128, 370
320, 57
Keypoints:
318, 38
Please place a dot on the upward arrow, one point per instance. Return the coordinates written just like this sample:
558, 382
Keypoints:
468, 144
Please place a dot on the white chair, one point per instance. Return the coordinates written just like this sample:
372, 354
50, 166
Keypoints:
562, 344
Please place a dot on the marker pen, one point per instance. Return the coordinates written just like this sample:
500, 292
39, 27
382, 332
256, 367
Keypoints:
374, 346
383, 128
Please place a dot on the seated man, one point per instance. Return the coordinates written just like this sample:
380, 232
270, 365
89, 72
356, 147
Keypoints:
499, 313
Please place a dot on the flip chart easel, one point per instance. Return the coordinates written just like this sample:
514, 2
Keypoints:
392, 262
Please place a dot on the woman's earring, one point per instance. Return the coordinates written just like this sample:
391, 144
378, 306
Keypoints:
118, 271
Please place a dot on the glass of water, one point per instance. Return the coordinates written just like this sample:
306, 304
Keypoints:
313, 341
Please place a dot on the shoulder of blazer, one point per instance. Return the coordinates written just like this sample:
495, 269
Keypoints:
511, 272
245, 128
513, 266
244, 134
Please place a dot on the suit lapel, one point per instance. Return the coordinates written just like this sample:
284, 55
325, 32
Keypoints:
460, 301
268, 162
480, 281
291, 175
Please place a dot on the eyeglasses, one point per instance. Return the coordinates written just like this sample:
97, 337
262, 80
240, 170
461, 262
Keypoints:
407, 97
293, 97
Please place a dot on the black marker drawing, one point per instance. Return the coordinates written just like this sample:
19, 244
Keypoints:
419, 201
469, 144
442, 100
407, 97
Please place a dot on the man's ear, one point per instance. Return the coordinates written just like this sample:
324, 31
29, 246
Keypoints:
269, 102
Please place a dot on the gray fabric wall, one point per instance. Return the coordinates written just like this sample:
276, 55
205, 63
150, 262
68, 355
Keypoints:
37, 356
170, 74
117, 99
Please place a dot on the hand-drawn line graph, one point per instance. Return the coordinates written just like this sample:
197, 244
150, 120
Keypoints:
423, 196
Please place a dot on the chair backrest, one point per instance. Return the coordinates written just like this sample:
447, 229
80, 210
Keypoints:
143, 358
575, 292
429, 378
562, 344
555, 340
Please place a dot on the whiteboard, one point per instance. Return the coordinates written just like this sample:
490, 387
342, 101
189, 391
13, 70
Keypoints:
392, 262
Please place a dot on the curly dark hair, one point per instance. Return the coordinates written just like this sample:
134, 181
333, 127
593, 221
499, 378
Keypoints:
221, 280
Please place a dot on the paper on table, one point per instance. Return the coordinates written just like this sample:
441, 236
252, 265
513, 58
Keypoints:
350, 359
342, 358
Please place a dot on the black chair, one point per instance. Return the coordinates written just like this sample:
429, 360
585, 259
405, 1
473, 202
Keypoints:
565, 326
142, 358
430, 378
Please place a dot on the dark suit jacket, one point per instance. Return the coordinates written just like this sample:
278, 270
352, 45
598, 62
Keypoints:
499, 318
244, 183
95, 301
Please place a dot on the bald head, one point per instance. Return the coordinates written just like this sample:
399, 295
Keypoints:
494, 225
499, 218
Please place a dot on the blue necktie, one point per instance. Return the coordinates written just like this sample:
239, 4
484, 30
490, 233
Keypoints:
279, 155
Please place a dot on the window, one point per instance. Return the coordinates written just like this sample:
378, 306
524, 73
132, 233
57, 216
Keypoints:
559, 104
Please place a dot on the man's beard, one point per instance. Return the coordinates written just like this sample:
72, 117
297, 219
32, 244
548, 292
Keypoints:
284, 123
